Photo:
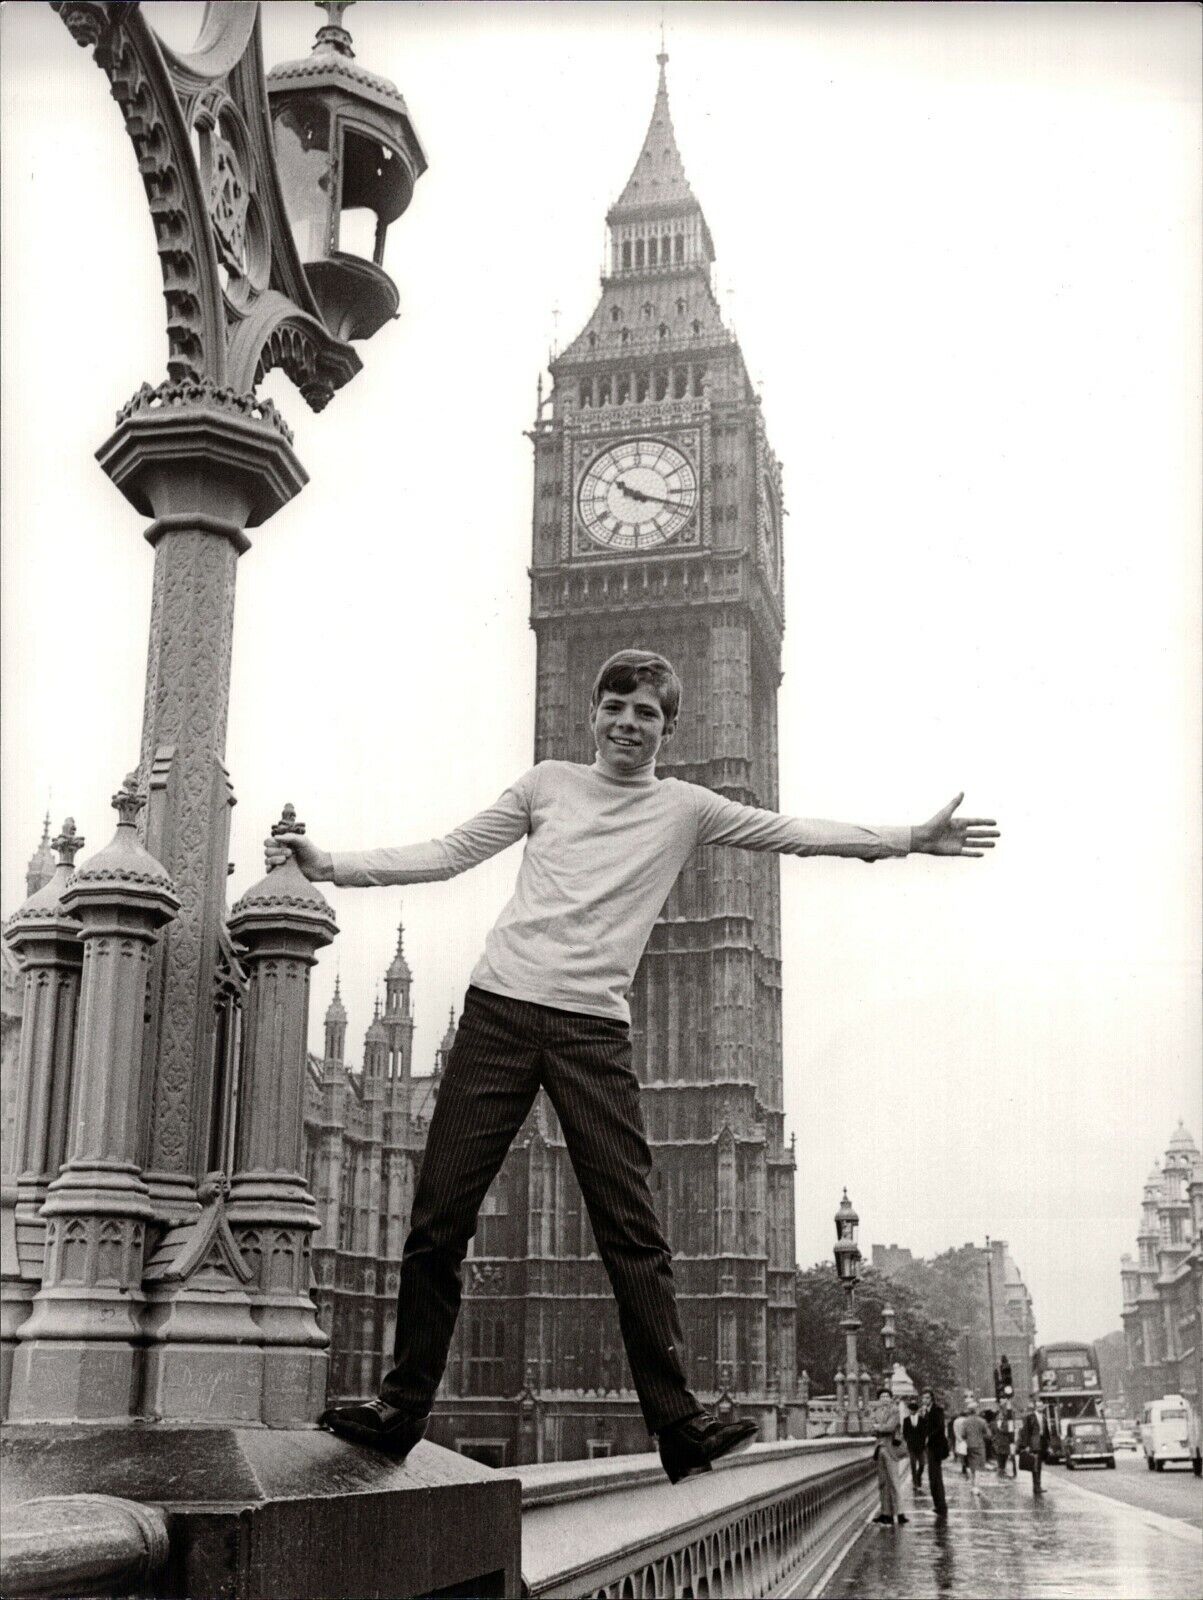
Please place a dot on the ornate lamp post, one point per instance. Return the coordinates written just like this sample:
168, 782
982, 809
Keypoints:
847, 1261
205, 458
887, 1343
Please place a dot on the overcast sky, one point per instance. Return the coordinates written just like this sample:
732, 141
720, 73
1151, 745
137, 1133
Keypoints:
961, 248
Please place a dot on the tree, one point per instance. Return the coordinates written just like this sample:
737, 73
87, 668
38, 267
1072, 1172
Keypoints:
955, 1281
924, 1342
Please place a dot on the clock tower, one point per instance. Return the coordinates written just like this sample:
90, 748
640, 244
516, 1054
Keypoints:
657, 525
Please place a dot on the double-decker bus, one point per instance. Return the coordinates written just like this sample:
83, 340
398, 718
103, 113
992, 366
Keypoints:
1065, 1379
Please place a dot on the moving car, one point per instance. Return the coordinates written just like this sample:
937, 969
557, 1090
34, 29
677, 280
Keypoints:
1165, 1432
1124, 1439
1085, 1443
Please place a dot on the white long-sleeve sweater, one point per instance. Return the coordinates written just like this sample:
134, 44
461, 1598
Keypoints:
602, 851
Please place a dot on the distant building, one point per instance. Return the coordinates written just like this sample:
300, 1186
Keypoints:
891, 1258
1163, 1283
365, 1130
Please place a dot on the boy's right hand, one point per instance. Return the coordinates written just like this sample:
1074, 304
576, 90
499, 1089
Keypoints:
314, 863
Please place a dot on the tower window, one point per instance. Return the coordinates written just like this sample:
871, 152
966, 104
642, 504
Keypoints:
626, 334
592, 341
638, 252
680, 308
603, 391
623, 388
626, 252
662, 330
696, 326
680, 383
653, 248
615, 313
641, 385
586, 394
679, 247
646, 310
699, 380
661, 383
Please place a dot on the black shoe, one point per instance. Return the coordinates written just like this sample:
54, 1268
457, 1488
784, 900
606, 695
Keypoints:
375, 1423
881, 1517
690, 1446
902, 1519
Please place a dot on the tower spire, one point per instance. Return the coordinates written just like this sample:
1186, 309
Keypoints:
658, 176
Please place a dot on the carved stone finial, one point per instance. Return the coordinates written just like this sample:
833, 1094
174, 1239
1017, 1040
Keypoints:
288, 822
69, 843
332, 35
127, 802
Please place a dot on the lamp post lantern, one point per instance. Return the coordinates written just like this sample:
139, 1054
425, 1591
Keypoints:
847, 1261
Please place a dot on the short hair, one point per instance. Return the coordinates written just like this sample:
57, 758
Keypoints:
627, 669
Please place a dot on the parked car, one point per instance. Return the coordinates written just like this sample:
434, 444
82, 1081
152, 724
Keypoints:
1124, 1439
1087, 1444
1165, 1432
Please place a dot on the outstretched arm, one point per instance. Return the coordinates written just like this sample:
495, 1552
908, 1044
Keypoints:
472, 842
723, 821
949, 835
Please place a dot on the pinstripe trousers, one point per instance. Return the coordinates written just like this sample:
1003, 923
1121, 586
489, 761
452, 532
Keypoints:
504, 1051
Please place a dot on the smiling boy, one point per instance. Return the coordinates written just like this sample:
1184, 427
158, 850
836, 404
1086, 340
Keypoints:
547, 1007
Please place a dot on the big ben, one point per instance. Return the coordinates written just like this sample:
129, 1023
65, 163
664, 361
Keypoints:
657, 524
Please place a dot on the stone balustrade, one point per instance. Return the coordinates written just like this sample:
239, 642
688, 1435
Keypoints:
770, 1521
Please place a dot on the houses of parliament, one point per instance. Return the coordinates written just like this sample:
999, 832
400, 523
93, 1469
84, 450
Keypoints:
653, 395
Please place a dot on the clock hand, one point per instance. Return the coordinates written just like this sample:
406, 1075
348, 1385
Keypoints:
638, 494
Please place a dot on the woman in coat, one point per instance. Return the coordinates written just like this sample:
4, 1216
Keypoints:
883, 1419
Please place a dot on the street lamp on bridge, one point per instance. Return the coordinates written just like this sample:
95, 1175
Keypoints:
847, 1262
255, 235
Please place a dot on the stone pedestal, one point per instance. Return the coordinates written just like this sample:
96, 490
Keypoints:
46, 942
206, 463
78, 1349
280, 923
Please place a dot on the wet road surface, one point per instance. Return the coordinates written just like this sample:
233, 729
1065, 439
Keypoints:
1176, 1492
1069, 1543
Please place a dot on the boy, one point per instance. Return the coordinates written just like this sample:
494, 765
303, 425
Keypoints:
547, 1006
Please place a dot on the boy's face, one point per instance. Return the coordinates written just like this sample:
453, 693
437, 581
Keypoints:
629, 729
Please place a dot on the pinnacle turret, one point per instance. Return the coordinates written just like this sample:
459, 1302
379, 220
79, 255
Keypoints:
336, 1011
41, 864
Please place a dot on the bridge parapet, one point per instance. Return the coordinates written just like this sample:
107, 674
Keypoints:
770, 1521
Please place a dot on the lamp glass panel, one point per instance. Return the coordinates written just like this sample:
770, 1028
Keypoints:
302, 136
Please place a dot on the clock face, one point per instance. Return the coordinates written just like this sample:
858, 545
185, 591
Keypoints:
637, 495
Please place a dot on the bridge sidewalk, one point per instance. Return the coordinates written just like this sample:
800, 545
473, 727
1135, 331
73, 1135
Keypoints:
1068, 1544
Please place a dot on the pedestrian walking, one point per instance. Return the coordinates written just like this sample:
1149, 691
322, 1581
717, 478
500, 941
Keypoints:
914, 1436
1000, 1441
547, 1007
883, 1419
1030, 1444
976, 1436
936, 1433
959, 1448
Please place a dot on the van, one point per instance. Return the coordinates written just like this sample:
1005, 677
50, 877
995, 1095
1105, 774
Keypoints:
1165, 1432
